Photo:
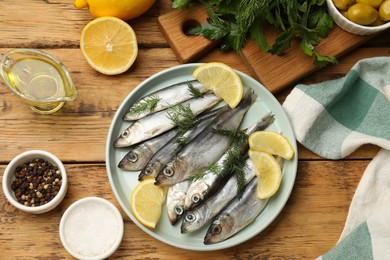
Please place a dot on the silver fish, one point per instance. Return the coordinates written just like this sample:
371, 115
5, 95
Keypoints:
166, 97
210, 182
238, 214
206, 148
140, 154
200, 216
165, 154
175, 200
159, 122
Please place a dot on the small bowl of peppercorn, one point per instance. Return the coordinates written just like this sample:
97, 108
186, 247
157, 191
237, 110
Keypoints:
35, 181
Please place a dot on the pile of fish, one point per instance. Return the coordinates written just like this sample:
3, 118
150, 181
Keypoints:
159, 149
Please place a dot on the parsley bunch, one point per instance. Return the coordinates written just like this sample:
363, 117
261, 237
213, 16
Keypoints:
234, 21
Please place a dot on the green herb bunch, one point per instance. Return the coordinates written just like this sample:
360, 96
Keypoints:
234, 21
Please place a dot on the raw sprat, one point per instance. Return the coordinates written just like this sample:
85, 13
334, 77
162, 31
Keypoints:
160, 122
165, 98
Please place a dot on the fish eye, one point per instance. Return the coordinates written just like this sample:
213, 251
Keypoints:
168, 171
190, 217
179, 210
216, 229
148, 171
133, 157
195, 198
125, 133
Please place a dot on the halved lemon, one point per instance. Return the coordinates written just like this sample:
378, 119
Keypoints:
109, 45
222, 80
269, 174
146, 201
271, 142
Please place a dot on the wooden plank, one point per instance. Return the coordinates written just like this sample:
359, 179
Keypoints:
308, 226
58, 24
85, 122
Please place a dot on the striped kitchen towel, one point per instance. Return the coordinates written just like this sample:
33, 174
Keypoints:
333, 119
366, 233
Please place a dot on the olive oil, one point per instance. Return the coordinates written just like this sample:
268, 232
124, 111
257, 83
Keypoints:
37, 79
40, 79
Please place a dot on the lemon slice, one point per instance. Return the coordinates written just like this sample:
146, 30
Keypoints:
222, 80
269, 174
271, 142
146, 201
109, 45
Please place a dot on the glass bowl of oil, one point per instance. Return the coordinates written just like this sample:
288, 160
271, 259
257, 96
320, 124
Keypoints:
39, 78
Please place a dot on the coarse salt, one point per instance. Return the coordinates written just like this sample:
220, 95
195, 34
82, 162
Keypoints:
92, 228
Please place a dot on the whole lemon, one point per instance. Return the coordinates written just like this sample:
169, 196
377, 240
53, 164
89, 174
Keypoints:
123, 9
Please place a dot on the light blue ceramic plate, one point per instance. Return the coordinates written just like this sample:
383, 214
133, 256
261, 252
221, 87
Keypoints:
123, 182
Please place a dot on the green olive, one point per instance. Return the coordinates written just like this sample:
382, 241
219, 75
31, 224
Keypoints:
362, 14
373, 3
342, 4
377, 22
344, 13
384, 11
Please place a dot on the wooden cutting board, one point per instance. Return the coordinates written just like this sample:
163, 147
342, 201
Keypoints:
274, 72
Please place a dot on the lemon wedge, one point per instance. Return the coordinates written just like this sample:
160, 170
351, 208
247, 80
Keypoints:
146, 201
269, 174
109, 45
271, 142
222, 80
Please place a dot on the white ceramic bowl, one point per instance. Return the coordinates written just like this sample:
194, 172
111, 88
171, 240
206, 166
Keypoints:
9, 176
91, 228
352, 27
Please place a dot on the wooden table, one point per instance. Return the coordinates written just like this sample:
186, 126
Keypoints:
308, 226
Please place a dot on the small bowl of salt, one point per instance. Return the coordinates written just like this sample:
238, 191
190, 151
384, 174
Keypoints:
91, 228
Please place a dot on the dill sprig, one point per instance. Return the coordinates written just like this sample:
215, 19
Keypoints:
182, 117
194, 91
180, 141
235, 162
145, 106
214, 168
234, 165
237, 136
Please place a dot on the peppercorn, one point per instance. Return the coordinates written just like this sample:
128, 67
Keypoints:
34, 182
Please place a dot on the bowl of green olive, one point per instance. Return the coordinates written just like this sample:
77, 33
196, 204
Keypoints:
362, 17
